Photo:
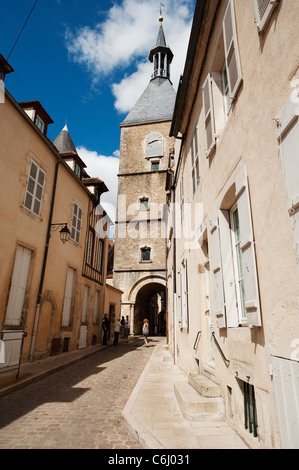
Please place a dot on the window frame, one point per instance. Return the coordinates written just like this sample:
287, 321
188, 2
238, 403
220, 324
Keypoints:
195, 173
142, 251
36, 185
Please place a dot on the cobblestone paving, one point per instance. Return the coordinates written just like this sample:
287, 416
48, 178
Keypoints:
78, 407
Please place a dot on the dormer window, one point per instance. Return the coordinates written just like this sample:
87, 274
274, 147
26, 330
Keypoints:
77, 170
37, 114
40, 123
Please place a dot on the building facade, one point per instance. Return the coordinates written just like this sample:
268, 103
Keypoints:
54, 292
232, 235
139, 256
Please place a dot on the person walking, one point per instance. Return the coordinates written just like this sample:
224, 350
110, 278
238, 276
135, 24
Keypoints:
122, 326
105, 327
116, 331
145, 331
127, 328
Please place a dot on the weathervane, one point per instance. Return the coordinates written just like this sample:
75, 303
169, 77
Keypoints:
161, 12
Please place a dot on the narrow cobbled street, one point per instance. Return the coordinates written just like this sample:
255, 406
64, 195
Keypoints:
78, 407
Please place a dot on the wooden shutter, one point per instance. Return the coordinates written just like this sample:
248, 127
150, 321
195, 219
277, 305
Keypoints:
68, 295
228, 269
179, 297
209, 114
252, 305
217, 273
263, 10
232, 58
18, 286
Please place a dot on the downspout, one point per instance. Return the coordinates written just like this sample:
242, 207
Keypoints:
173, 188
37, 307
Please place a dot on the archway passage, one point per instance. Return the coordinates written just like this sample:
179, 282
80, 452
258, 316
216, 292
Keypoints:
150, 304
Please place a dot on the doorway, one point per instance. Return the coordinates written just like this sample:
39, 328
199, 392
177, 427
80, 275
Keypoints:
151, 304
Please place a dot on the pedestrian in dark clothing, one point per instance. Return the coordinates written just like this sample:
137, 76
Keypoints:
122, 326
116, 332
105, 326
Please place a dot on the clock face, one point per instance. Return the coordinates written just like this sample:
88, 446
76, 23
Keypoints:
154, 145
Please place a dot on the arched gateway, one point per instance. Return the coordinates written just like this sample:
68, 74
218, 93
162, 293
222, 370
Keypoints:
148, 300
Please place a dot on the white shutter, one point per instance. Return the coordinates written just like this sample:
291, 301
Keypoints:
179, 297
68, 295
228, 269
209, 114
217, 273
184, 294
286, 384
232, 58
263, 10
18, 286
288, 135
252, 305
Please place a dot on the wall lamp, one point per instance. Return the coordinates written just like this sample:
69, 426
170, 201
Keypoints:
64, 232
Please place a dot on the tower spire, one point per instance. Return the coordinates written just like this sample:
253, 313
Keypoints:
161, 55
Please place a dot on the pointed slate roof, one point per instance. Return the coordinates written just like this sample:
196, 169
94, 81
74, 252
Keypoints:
155, 104
64, 143
158, 100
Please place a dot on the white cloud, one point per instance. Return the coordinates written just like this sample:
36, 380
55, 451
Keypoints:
124, 40
105, 168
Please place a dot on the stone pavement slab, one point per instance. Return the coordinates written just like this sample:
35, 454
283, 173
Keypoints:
152, 413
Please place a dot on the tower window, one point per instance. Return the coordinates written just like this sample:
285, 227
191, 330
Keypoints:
155, 166
145, 255
144, 204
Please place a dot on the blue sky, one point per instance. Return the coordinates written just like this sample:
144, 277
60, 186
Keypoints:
86, 61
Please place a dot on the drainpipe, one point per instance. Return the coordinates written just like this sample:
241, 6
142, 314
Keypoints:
37, 308
173, 188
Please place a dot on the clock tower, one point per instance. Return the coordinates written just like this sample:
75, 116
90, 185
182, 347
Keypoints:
140, 236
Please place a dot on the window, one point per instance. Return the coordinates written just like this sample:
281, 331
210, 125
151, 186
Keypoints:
183, 296
89, 255
100, 256
238, 262
68, 297
222, 83
263, 10
195, 161
84, 303
155, 166
145, 255
233, 262
96, 307
18, 286
76, 223
144, 206
35, 189
39, 123
250, 419
77, 170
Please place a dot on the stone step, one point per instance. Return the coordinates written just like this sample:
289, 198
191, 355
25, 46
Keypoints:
195, 407
204, 386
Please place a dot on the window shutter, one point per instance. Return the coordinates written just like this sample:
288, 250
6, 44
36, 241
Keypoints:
184, 295
263, 10
209, 114
84, 304
179, 297
217, 273
228, 268
68, 297
232, 58
18, 286
289, 143
252, 305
